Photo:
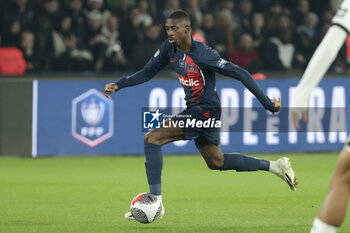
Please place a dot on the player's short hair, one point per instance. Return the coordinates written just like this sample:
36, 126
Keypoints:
180, 15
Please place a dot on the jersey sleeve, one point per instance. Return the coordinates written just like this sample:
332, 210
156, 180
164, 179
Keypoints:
159, 60
212, 60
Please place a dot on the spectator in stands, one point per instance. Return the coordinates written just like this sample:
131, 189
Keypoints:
75, 10
224, 33
46, 20
279, 53
245, 14
195, 12
218, 22
67, 56
33, 58
261, 5
122, 11
21, 11
307, 36
327, 17
98, 5
208, 28
231, 6
115, 58
145, 11
309, 27
12, 34
299, 15
48, 15
148, 46
133, 33
275, 10
258, 30
96, 41
245, 55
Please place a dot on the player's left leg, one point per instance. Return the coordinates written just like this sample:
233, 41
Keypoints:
216, 160
153, 141
332, 212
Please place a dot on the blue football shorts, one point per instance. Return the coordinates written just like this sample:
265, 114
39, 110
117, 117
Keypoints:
201, 135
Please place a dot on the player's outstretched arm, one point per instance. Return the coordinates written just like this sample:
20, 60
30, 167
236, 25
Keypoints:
110, 88
316, 69
153, 66
211, 59
248, 81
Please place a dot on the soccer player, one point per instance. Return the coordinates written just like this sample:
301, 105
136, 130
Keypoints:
196, 64
332, 212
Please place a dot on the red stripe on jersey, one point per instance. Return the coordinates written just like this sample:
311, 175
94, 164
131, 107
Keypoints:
194, 75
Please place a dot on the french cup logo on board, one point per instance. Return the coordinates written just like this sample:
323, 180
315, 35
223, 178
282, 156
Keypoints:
92, 118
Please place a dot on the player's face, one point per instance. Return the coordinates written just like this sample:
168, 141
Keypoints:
177, 31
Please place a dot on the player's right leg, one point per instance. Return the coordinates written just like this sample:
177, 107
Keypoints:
332, 212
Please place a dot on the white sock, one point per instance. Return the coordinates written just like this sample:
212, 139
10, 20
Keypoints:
274, 168
160, 198
319, 226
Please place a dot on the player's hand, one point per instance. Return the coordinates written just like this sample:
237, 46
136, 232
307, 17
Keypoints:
295, 118
277, 104
110, 88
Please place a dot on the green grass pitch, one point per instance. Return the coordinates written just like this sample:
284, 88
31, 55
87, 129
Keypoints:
91, 194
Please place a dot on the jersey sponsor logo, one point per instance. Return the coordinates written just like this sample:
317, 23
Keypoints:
191, 68
92, 118
189, 82
221, 63
157, 53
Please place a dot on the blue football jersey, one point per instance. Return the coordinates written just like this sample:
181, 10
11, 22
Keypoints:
196, 72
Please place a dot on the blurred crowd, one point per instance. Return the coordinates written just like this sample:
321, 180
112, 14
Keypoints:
116, 35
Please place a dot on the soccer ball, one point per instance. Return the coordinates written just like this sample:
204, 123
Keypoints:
145, 208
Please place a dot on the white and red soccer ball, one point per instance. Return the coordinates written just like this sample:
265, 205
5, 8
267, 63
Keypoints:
145, 208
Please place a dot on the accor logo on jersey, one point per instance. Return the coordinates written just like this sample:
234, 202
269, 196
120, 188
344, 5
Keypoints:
188, 82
